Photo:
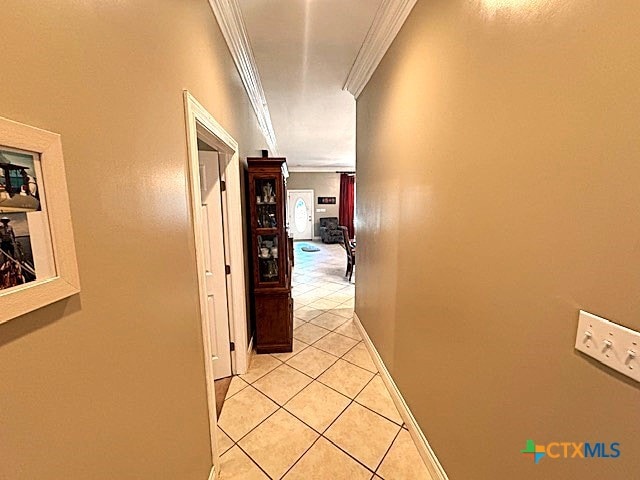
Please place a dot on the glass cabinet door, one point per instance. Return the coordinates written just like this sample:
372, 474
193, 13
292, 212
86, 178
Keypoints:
266, 201
268, 253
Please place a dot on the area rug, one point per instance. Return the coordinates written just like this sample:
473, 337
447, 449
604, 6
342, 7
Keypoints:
310, 248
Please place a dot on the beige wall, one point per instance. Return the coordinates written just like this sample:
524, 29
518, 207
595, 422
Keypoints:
110, 384
498, 194
323, 184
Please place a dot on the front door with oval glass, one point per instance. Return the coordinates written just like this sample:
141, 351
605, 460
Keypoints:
300, 213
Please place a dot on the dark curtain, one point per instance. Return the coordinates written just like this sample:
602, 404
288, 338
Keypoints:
347, 183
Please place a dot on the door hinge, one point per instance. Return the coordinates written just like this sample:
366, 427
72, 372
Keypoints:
223, 186
232, 346
227, 269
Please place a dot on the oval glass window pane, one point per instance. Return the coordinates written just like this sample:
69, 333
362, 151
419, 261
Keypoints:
300, 215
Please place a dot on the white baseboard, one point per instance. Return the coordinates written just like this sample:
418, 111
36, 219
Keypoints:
425, 450
212, 473
317, 239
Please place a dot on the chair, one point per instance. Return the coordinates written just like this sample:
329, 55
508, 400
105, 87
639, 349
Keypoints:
329, 231
350, 249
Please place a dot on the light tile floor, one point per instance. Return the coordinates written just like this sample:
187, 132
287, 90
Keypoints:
322, 411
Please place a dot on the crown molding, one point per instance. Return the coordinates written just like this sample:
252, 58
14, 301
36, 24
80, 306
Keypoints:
388, 21
229, 17
303, 169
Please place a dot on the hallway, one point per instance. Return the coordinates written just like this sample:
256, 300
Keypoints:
322, 411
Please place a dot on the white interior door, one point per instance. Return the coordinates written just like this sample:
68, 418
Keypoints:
214, 261
300, 212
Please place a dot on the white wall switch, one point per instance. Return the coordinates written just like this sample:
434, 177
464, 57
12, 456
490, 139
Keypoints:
616, 346
321, 210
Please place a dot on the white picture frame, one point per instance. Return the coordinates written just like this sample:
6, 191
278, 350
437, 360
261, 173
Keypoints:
64, 280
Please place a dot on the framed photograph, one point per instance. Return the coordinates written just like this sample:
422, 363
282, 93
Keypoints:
37, 253
326, 200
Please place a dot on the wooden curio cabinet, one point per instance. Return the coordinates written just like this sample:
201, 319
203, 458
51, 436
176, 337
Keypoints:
270, 256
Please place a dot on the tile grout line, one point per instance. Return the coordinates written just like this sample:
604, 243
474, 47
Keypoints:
340, 305
305, 452
255, 463
315, 379
261, 421
233, 394
337, 358
379, 414
329, 386
352, 400
320, 434
264, 374
331, 291
303, 303
282, 407
387, 452
293, 368
375, 374
348, 454
347, 320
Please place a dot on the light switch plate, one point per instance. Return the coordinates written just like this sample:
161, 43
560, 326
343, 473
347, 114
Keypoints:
615, 346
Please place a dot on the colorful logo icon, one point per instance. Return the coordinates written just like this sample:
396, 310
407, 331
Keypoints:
565, 450
536, 452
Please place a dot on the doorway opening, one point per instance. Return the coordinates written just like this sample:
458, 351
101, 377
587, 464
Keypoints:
216, 212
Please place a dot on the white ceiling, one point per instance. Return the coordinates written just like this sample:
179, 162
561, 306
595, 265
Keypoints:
304, 50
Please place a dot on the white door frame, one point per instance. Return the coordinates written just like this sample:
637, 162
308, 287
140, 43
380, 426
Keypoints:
200, 121
313, 209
